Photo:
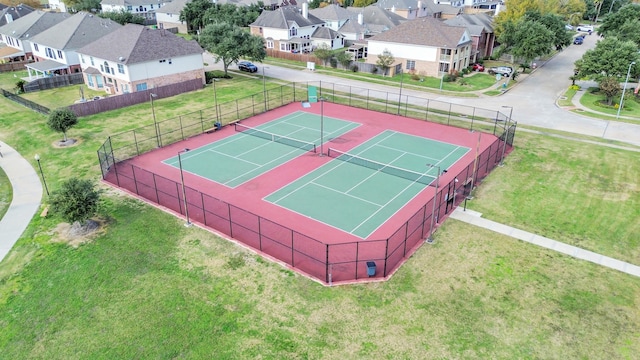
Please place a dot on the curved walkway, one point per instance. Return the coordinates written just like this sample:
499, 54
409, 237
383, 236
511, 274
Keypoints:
27, 193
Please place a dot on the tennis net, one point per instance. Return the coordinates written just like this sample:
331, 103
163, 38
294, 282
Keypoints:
385, 168
275, 137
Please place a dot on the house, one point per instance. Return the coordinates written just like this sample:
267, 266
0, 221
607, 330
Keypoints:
54, 50
329, 38
376, 20
136, 58
480, 27
411, 9
57, 5
144, 8
18, 34
168, 16
425, 46
287, 28
334, 16
11, 13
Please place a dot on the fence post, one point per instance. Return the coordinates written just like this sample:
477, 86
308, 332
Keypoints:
326, 264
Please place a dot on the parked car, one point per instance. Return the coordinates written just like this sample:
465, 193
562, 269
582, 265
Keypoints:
477, 67
584, 28
568, 27
505, 71
578, 40
247, 66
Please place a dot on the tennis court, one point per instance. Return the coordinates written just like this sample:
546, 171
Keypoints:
360, 190
251, 152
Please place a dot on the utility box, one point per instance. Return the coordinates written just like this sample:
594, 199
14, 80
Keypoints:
371, 268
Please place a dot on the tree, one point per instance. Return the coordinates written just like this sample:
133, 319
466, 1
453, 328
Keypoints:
532, 40
83, 5
235, 15
363, 3
230, 43
323, 52
122, 17
193, 11
344, 58
610, 87
385, 60
610, 57
613, 23
76, 201
61, 120
630, 31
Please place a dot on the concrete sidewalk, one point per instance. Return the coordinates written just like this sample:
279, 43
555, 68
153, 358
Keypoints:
474, 218
27, 193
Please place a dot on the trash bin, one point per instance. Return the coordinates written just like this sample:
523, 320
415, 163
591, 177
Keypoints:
371, 268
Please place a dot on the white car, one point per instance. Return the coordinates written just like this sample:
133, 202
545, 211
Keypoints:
584, 28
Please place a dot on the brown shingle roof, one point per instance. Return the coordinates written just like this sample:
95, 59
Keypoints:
423, 31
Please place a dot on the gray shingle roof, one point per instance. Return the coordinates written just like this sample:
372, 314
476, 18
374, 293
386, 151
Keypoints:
173, 7
423, 31
32, 24
352, 27
377, 19
76, 31
475, 23
331, 12
137, 44
325, 33
283, 17
126, 3
413, 4
15, 12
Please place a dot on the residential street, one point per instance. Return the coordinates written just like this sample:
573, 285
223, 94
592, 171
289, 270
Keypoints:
533, 99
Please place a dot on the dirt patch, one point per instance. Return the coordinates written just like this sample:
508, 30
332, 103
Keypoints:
75, 234
66, 144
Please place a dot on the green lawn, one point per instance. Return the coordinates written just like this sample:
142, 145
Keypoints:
596, 101
6, 192
146, 287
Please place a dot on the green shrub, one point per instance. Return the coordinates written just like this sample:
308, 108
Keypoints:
574, 87
415, 77
354, 68
333, 62
449, 77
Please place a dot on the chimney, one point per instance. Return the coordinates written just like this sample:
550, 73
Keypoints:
393, 9
360, 19
497, 9
305, 10
9, 18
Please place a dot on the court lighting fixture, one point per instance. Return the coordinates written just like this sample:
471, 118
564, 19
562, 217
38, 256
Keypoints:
215, 99
624, 89
400, 97
433, 209
37, 157
155, 124
506, 134
184, 190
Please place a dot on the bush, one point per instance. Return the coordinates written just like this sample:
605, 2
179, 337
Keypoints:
354, 68
449, 78
333, 62
415, 77
465, 71
209, 76
374, 70
20, 86
574, 87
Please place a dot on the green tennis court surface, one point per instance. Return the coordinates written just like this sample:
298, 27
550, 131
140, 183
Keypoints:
359, 194
254, 151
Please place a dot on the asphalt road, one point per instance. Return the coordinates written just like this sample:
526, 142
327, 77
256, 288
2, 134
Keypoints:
533, 99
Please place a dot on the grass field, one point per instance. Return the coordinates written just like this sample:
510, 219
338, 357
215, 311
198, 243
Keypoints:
6, 193
146, 287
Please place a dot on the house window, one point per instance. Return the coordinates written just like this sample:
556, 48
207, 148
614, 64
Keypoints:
269, 44
50, 53
121, 68
91, 59
152, 6
35, 46
82, 58
115, 83
90, 80
109, 80
285, 47
444, 67
411, 65
105, 67
101, 68
129, 8
293, 32
141, 87
445, 51
260, 30
60, 54
125, 88
113, 72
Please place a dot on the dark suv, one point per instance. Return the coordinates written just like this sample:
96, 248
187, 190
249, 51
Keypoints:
247, 66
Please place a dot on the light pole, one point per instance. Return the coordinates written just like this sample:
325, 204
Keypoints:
155, 123
306, 104
433, 210
37, 157
441, 81
264, 88
215, 100
624, 89
611, 7
400, 97
184, 190
506, 133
